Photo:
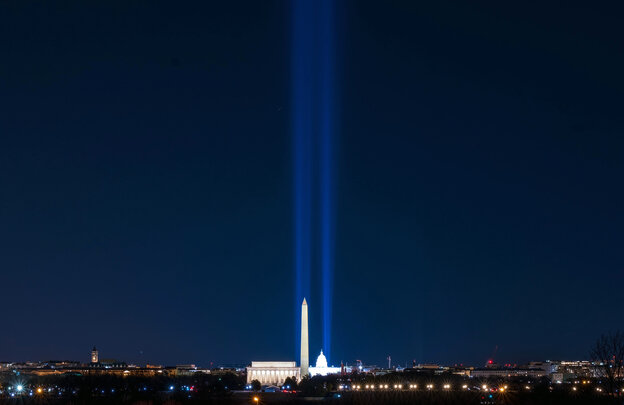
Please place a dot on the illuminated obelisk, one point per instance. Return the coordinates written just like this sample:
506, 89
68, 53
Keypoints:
305, 360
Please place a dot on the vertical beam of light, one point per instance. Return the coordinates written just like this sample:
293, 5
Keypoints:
302, 127
326, 164
313, 101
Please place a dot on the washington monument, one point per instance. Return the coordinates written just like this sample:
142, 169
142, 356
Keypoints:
305, 360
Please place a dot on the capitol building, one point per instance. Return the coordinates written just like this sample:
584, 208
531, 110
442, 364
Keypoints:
321, 367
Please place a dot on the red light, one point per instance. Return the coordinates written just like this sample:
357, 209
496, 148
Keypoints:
489, 361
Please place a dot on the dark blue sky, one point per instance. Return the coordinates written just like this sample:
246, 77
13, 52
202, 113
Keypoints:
146, 181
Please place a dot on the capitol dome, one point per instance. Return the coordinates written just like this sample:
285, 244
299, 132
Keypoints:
322, 368
321, 361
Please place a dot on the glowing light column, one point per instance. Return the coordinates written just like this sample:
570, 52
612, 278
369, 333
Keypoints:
313, 100
327, 108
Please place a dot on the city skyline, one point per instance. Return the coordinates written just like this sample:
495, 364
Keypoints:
304, 361
92, 358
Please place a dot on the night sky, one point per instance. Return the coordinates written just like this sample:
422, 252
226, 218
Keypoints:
146, 181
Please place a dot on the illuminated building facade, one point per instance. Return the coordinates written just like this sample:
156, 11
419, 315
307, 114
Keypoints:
321, 367
507, 372
272, 372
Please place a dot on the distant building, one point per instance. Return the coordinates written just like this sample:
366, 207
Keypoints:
272, 372
226, 370
581, 369
189, 369
95, 358
548, 366
61, 364
109, 364
429, 367
507, 372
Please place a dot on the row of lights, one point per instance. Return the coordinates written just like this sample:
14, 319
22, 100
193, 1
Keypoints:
411, 386
431, 386
20, 389
597, 389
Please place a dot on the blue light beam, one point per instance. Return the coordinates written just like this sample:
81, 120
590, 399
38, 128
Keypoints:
327, 165
313, 126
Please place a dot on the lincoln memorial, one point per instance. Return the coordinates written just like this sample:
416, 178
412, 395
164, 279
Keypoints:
272, 372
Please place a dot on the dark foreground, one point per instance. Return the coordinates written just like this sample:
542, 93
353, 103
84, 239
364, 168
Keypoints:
229, 389
355, 398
